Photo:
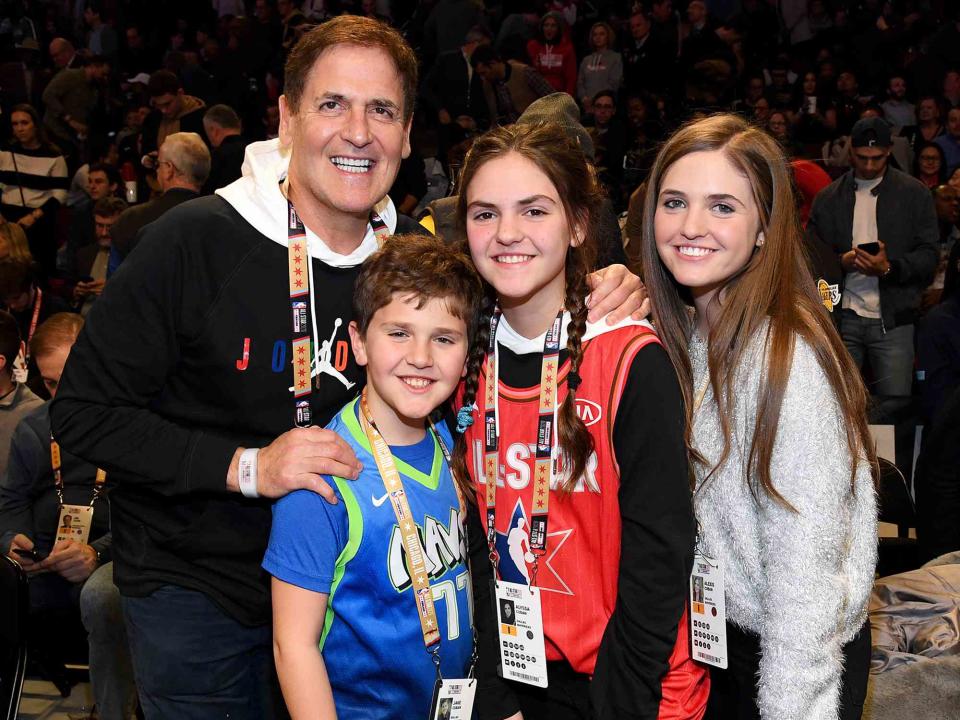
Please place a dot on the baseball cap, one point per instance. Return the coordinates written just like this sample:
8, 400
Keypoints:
871, 132
560, 110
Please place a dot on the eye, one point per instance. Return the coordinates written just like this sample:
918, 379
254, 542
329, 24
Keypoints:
398, 334
329, 105
483, 216
446, 340
673, 203
384, 111
536, 212
723, 208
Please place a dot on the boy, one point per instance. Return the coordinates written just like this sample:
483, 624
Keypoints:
351, 618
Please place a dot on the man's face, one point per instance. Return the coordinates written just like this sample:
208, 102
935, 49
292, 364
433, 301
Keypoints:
103, 226
951, 83
603, 110
928, 110
51, 366
486, 71
869, 162
60, 53
639, 27
349, 135
948, 204
99, 73
134, 41
696, 12
755, 88
953, 123
847, 83
169, 104
898, 88
662, 11
98, 185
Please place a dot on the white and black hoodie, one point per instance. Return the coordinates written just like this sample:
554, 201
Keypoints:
185, 358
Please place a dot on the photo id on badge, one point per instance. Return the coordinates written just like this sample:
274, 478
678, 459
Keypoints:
74, 523
453, 699
520, 631
708, 617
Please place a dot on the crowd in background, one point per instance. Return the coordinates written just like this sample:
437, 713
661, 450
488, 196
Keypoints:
112, 112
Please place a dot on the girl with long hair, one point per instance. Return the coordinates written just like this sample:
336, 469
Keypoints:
776, 424
602, 69
573, 446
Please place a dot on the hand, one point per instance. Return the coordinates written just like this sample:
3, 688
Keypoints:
81, 290
616, 292
27, 220
846, 260
95, 287
29, 566
873, 265
71, 560
444, 117
297, 459
78, 126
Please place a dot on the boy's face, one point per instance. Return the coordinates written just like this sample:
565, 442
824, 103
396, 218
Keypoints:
414, 360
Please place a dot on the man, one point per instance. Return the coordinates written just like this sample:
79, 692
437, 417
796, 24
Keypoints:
848, 102
63, 54
183, 165
102, 181
173, 111
187, 358
292, 24
882, 225
610, 141
101, 38
946, 200
645, 58
71, 99
222, 126
898, 111
92, 262
509, 86
16, 399
136, 57
950, 140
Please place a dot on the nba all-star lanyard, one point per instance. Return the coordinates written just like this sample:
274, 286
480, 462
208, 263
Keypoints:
55, 463
300, 274
545, 466
416, 555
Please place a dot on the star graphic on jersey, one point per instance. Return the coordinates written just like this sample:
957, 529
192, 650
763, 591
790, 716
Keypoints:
547, 577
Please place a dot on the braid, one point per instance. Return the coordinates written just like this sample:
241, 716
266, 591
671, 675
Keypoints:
471, 384
575, 440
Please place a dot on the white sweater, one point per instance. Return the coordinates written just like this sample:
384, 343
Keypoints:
800, 580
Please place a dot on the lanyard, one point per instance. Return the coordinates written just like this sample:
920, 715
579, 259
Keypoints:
33, 323
58, 476
299, 270
545, 467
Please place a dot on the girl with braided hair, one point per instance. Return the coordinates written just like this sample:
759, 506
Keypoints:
591, 503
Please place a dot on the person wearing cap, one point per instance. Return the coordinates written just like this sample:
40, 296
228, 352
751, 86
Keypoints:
882, 225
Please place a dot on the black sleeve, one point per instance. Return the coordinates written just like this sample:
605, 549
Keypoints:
657, 543
494, 699
128, 347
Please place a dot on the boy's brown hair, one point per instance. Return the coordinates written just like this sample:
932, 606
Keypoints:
420, 266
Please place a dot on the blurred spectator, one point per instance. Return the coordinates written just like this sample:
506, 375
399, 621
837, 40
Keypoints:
71, 100
951, 89
222, 126
101, 37
136, 57
410, 185
183, 165
647, 64
892, 215
551, 54
643, 139
602, 69
63, 54
779, 127
898, 111
812, 117
447, 23
954, 179
930, 165
13, 242
509, 86
946, 200
950, 140
21, 296
666, 26
271, 122
16, 399
292, 24
700, 41
173, 111
103, 181
33, 183
848, 103
92, 262
609, 142
929, 124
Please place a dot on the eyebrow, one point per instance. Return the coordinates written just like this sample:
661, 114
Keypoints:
714, 196
434, 331
340, 97
522, 201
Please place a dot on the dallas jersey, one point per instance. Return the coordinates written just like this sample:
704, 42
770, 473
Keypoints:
371, 642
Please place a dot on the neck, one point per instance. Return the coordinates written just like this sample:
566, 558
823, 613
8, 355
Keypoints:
341, 232
7, 385
532, 317
396, 429
708, 309
179, 185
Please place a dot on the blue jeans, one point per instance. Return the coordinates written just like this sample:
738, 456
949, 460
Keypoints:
194, 662
890, 354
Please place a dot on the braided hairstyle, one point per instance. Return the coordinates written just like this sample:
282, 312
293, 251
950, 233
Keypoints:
561, 159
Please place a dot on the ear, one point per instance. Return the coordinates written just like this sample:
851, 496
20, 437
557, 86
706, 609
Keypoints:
286, 121
760, 239
356, 342
406, 139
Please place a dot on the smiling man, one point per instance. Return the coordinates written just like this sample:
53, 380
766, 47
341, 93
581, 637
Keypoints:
227, 327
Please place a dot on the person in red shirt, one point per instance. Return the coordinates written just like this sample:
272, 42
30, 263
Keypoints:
552, 54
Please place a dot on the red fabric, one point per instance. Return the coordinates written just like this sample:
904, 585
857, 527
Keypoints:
578, 574
810, 179
556, 62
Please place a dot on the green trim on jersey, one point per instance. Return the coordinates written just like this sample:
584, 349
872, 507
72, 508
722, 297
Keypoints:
431, 481
354, 536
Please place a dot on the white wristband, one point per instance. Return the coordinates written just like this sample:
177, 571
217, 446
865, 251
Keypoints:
247, 473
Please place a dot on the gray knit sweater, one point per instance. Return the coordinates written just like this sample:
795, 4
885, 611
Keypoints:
798, 580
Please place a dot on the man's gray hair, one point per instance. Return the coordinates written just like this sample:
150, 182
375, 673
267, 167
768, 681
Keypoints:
222, 116
189, 155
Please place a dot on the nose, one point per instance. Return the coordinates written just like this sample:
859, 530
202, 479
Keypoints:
508, 230
419, 353
356, 127
693, 224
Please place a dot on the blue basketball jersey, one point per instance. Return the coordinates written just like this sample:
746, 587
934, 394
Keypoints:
372, 643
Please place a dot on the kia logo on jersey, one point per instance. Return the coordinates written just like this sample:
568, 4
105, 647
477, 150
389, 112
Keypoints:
588, 411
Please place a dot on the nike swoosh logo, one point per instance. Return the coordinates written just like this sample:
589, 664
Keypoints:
378, 502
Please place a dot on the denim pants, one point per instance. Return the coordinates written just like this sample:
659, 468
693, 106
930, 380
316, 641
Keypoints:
890, 353
194, 662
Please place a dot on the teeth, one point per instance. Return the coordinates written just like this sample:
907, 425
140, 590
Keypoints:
512, 259
694, 251
416, 382
352, 165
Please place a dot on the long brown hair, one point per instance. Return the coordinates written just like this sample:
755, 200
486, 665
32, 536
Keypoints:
563, 162
775, 285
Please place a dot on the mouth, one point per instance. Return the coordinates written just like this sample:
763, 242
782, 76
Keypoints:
356, 166
694, 251
512, 259
417, 384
